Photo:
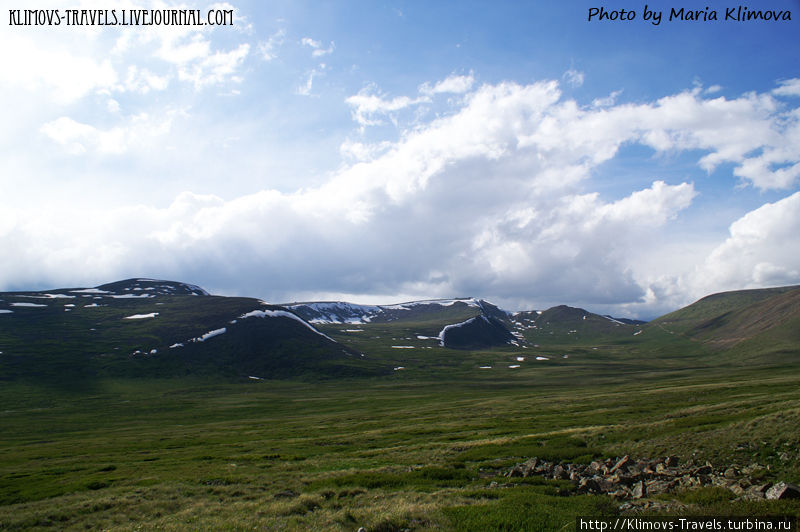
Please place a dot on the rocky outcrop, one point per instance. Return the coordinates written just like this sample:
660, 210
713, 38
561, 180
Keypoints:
629, 479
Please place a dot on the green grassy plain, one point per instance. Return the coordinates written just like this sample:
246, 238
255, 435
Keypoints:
387, 453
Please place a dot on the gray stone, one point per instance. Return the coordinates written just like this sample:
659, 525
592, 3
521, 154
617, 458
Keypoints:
638, 490
783, 490
621, 464
595, 466
560, 472
654, 487
588, 485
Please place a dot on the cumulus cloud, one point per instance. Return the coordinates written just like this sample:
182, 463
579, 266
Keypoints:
760, 251
493, 199
65, 75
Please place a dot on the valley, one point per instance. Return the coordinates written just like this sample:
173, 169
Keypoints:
364, 417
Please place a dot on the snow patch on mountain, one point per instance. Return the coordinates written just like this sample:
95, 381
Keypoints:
281, 314
209, 334
89, 291
141, 316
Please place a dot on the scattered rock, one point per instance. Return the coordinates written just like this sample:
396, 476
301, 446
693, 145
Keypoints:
629, 479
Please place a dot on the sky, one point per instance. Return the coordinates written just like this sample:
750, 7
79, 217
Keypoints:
380, 152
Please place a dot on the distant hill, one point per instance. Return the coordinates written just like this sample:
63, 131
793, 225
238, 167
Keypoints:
765, 318
147, 327
564, 324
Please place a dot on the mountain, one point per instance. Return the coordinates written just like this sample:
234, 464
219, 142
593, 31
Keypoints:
564, 324
155, 328
148, 327
466, 323
756, 321
432, 309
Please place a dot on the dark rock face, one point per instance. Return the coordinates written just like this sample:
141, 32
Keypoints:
476, 333
629, 479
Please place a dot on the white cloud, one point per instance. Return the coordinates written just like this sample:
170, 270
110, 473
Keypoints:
452, 84
493, 199
308, 85
67, 75
216, 68
608, 101
788, 87
77, 138
317, 49
574, 78
268, 48
760, 251
143, 80
369, 105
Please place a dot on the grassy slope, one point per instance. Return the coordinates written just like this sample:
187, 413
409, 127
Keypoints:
711, 307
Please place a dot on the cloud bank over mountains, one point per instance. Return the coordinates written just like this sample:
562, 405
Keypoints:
462, 187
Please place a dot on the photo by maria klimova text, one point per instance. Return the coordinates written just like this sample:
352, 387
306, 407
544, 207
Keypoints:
120, 17
738, 13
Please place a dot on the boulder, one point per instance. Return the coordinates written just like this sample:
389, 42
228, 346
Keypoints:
638, 491
703, 470
756, 492
621, 464
516, 471
654, 487
783, 490
588, 485
560, 472
595, 467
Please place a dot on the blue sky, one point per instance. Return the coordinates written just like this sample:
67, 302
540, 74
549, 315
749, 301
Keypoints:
381, 152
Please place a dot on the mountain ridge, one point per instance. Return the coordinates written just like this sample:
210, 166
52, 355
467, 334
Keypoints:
143, 326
